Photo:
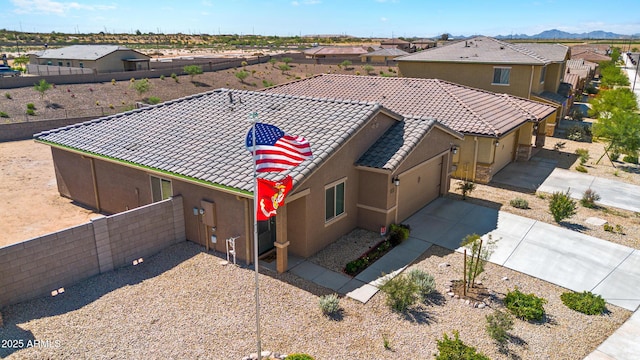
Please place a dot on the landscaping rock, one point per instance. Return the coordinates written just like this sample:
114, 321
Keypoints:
443, 265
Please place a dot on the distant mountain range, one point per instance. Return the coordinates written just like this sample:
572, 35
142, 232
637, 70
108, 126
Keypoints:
558, 34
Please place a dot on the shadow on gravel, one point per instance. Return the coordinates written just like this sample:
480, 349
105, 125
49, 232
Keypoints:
85, 292
200, 84
419, 315
573, 226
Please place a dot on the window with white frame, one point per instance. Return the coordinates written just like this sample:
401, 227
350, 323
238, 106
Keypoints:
334, 199
160, 189
501, 75
543, 73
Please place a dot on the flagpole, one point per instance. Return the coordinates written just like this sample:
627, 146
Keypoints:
254, 117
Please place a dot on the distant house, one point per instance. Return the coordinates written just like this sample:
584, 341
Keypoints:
100, 58
589, 55
579, 72
396, 43
423, 44
528, 70
497, 128
382, 56
371, 167
336, 52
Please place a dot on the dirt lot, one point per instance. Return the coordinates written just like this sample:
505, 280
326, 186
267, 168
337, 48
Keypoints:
78, 100
31, 203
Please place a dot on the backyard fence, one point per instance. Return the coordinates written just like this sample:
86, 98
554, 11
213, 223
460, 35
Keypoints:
44, 265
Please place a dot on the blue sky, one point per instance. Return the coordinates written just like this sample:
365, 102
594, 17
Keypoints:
365, 18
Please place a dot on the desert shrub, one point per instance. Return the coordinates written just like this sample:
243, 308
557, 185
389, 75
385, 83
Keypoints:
299, 357
614, 155
589, 198
267, 83
329, 304
153, 100
455, 349
398, 233
425, 282
113, 81
345, 64
585, 302
358, 73
244, 63
466, 187
7, 95
578, 133
401, 292
562, 206
241, 75
632, 159
31, 106
132, 80
161, 77
368, 68
581, 169
284, 67
31, 112
525, 306
559, 145
607, 227
519, 203
175, 77
583, 154
4, 114
111, 106
498, 325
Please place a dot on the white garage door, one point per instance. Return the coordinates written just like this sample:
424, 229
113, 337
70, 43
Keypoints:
418, 187
504, 152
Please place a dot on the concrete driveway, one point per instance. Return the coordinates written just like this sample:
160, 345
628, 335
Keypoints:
612, 193
560, 256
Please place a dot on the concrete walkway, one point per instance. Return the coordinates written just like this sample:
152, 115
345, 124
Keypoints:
612, 193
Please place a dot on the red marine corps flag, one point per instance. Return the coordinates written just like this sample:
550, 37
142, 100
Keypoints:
271, 195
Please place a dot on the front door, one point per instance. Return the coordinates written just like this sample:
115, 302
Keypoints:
266, 235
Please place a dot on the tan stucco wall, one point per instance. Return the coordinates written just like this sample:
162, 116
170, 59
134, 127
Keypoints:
474, 75
340, 165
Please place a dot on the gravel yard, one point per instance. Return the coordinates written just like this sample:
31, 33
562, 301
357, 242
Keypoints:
184, 304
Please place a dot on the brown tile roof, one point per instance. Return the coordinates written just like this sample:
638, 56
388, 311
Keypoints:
386, 52
461, 108
394, 41
484, 49
201, 137
336, 50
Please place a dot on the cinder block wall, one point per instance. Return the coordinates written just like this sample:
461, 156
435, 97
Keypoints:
36, 267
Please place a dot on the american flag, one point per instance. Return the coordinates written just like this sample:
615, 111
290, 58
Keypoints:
275, 150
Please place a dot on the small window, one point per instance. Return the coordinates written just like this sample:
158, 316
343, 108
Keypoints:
59, 63
501, 76
160, 189
82, 65
543, 73
334, 200
68, 64
49, 63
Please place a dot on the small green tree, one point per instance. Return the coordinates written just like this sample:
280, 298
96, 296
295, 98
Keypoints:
141, 86
345, 64
368, 68
241, 75
273, 61
621, 129
562, 206
401, 292
480, 253
192, 70
286, 60
613, 99
42, 87
284, 68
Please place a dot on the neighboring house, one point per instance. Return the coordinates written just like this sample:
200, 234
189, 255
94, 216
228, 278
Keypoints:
340, 52
382, 56
498, 128
589, 55
579, 72
396, 44
371, 166
100, 58
424, 44
528, 70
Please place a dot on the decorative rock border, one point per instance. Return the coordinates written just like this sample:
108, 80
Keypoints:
448, 287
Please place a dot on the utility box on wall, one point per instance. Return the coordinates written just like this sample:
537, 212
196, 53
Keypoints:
209, 217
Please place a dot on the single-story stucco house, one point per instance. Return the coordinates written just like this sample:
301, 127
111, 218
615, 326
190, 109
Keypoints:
497, 128
371, 166
100, 58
